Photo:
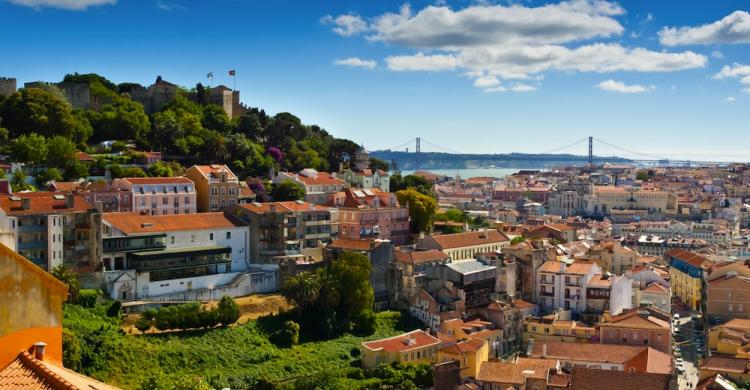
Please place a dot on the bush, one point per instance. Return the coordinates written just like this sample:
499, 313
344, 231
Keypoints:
88, 298
355, 352
114, 309
71, 350
287, 336
364, 323
228, 312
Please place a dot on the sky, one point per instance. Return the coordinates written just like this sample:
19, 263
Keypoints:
668, 78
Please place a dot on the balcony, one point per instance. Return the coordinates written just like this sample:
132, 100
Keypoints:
573, 297
573, 283
547, 281
545, 293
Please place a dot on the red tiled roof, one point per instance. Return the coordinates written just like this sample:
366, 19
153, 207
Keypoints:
404, 342
26, 372
136, 223
421, 256
517, 372
157, 180
320, 178
282, 207
605, 353
576, 268
83, 156
215, 169
687, 257
655, 287
459, 240
42, 203
471, 345
593, 379
726, 364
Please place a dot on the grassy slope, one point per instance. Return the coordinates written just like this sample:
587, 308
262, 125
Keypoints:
240, 351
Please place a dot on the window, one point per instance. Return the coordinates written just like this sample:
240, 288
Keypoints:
192, 238
211, 236
729, 307
171, 239
229, 235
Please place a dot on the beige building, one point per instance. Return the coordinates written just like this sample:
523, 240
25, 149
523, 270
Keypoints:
216, 186
415, 347
159, 195
606, 198
462, 246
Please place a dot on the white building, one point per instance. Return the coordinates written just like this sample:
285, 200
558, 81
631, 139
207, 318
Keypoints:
193, 256
562, 285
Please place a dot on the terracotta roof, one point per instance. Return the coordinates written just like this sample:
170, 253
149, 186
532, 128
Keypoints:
729, 277
214, 169
65, 186
404, 342
655, 287
687, 257
593, 379
320, 178
42, 203
604, 353
459, 240
726, 364
26, 372
83, 156
471, 345
282, 207
599, 280
633, 319
559, 379
520, 303
515, 373
737, 323
353, 244
157, 180
136, 223
576, 268
421, 256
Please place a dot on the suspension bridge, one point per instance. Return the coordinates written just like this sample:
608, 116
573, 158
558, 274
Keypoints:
569, 152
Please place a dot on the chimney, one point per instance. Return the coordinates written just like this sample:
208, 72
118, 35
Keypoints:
39, 350
544, 350
69, 201
26, 203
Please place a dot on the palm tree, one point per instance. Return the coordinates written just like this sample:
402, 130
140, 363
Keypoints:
329, 293
70, 279
302, 290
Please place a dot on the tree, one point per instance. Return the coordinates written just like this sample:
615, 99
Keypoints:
60, 152
517, 239
301, 290
642, 175
352, 274
30, 149
287, 336
71, 350
37, 110
18, 182
398, 183
117, 171
70, 279
422, 208
250, 126
122, 119
287, 190
215, 148
160, 169
364, 323
89, 78
228, 312
378, 164
215, 118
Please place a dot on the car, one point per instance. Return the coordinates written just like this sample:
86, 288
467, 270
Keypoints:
676, 316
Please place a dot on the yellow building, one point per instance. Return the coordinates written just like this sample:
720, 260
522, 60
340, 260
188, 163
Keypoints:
731, 338
470, 355
687, 274
414, 347
553, 328
461, 330
216, 187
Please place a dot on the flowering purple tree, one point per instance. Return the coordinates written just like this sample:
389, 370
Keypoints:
276, 154
257, 186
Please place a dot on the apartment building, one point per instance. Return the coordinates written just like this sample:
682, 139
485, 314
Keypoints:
371, 213
728, 297
613, 257
604, 199
101, 195
147, 256
626, 358
360, 175
286, 230
563, 285
51, 228
687, 273
320, 187
462, 246
520, 373
158, 195
711, 233
416, 270
557, 327
469, 354
216, 186
640, 327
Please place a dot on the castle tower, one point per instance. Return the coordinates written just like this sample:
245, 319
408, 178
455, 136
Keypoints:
7, 86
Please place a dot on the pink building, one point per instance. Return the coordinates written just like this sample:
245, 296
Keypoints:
101, 195
371, 213
159, 195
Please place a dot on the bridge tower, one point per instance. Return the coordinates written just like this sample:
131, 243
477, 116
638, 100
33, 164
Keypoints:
418, 150
591, 150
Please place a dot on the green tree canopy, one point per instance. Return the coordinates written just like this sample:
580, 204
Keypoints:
422, 208
36, 110
287, 190
60, 152
215, 118
122, 119
30, 149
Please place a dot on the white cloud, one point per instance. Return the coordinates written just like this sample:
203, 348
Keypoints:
733, 28
512, 88
717, 54
421, 62
649, 17
730, 99
443, 28
492, 43
736, 70
346, 25
356, 62
619, 86
166, 6
746, 90
73, 5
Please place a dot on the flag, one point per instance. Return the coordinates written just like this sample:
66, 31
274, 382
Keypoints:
231, 72
210, 75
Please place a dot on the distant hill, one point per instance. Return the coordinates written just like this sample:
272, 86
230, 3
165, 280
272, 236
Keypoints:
433, 160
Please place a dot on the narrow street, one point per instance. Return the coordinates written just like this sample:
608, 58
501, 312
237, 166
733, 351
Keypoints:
688, 340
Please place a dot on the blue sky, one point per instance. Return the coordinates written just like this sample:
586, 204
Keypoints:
664, 78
